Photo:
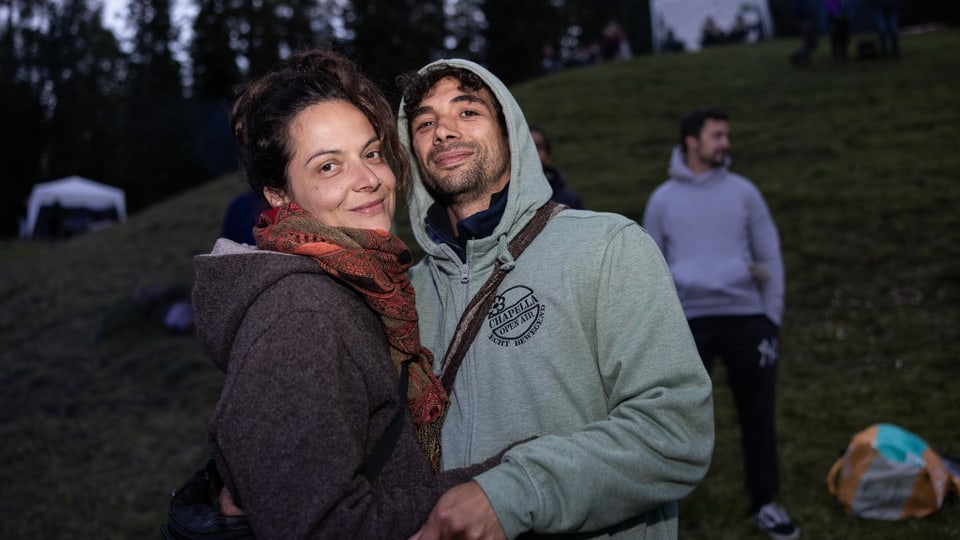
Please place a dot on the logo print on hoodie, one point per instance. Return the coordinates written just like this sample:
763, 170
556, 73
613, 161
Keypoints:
516, 315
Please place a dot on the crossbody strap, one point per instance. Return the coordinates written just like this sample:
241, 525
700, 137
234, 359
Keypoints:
473, 315
381, 453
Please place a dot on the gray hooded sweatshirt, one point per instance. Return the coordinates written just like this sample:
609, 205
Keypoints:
711, 228
586, 347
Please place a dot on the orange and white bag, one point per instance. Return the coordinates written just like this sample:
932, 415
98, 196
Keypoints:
887, 472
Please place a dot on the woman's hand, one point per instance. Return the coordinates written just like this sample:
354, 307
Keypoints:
227, 506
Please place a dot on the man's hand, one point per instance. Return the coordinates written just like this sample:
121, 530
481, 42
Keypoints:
227, 506
759, 272
463, 512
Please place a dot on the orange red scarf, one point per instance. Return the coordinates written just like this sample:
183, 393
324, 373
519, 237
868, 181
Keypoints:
374, 263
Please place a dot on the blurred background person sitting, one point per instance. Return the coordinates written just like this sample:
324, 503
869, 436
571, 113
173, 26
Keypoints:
561, 193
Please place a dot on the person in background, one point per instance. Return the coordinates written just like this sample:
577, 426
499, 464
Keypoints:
886, 18
550, 61
806, 14
316, 327
839, 16
671, 43
561, 193
585, 346
711, 34
241, 216
615, 45
723, 249
739, 31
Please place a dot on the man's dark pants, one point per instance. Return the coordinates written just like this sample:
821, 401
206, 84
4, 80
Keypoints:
748, 347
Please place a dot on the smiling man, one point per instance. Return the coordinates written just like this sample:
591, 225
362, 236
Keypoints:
585, 347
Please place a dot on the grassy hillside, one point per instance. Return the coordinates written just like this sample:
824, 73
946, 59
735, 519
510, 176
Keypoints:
102, 411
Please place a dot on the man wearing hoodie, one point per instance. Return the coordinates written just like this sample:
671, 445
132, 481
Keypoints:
586, 346
723, 249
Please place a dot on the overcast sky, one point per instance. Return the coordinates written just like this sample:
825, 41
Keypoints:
115, 17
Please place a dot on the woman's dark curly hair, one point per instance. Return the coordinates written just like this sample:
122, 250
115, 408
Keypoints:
265, 108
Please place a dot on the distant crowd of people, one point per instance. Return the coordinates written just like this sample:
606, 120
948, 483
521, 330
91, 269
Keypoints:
711, 34
833, 18
613, 44
836, 18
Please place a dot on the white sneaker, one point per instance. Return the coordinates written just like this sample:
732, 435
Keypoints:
774, 520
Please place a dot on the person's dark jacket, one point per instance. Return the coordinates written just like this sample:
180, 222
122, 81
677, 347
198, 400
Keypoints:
241, 215
309, 391
561, 193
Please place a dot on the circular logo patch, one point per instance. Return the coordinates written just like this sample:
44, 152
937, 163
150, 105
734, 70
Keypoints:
516, 315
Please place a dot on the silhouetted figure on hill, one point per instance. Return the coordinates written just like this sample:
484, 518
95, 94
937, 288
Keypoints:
561, 193
886, 18
805, 15
671, 43
588, 55
710, 33
738, 32
614, 42
550, 61
839, 14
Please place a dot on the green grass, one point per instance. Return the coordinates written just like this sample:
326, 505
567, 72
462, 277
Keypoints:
102, 411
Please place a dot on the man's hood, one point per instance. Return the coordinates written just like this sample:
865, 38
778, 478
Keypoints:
528, 188
678, 169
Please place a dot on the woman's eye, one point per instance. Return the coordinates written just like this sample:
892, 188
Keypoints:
327, 167
374, 154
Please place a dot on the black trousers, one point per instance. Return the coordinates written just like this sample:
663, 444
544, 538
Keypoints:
749, 349
839, 28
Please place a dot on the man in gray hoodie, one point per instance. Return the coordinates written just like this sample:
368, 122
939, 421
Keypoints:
723, 249
586, 346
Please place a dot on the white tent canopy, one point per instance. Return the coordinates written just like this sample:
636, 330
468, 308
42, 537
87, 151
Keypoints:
73, 192
685, 20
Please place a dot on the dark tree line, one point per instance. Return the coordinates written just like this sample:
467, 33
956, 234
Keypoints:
148, 112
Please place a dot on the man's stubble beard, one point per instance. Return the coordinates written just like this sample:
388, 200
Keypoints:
465, 185
719, 158
714, 160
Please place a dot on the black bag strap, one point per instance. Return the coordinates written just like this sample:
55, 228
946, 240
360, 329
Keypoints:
381, 453
192, 514
476, 310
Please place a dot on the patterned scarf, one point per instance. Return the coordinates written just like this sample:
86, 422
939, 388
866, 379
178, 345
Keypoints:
374, 263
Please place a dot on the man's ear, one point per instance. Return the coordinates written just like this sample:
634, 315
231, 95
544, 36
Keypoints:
275, 196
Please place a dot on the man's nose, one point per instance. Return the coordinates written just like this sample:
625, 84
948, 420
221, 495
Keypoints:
445, 130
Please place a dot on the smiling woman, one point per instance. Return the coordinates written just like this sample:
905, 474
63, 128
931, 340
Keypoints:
337, 172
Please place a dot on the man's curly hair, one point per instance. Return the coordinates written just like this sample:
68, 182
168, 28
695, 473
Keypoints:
415, 85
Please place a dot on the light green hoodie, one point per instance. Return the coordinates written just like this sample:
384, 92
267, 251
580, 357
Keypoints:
586, 347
